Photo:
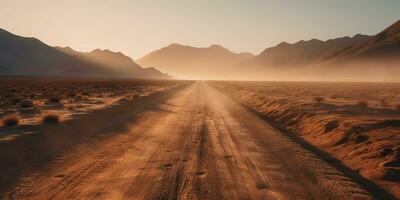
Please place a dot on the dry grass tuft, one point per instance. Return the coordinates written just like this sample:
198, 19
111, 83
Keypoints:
362, 103
71, 94
11, 120
27, 104
15, 100
50, 118
383, 102
54, 99
319, 99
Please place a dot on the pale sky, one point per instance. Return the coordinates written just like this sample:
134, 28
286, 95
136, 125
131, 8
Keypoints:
137, 27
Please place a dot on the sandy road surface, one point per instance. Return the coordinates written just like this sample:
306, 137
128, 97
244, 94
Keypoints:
199, 144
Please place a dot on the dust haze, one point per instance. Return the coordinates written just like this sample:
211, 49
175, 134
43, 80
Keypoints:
310, 119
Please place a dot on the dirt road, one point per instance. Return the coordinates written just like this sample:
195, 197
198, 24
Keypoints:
199, 144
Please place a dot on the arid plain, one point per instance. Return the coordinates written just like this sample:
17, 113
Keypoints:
186, 100
207, 144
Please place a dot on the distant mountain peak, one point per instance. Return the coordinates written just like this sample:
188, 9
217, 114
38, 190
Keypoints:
282, 44
95, 50
300, 42
181, 60
360, 36
67, 47
175, 45
102, 51
107, 51
213, 46
314, 40
216, 46
246, 54
219, 48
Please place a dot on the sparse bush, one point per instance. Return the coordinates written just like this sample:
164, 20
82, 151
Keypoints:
50, 118
362, 103
383, 102
27, 104
71, 94
78, 98
15, 100
334, 96
11, 120
319, 99
54, 99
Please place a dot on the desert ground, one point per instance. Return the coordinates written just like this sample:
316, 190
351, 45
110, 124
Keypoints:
31, 98
356, 123
199, 140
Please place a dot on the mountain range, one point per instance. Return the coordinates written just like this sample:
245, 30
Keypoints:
31, 57
385, 44
306, 52
345, 58
115, 63
360, 57
192, 62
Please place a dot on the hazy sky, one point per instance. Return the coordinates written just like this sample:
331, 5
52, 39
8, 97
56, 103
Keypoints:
137, 27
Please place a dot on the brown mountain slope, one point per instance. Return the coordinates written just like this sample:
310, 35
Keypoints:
302, 60
305, 52
191, 62
354, 58
116, 62
31, 57
216, 62
384, 45
360, 58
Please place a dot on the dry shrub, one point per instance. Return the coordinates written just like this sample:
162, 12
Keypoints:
362, 103
383, 102
11, 120
78, 98
334, 96
15, 100
54, 99
71, 94
27, 104
319, 99
50, 118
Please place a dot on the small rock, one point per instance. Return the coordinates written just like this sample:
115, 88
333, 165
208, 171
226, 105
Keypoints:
392, 175
385, 152
361, 138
